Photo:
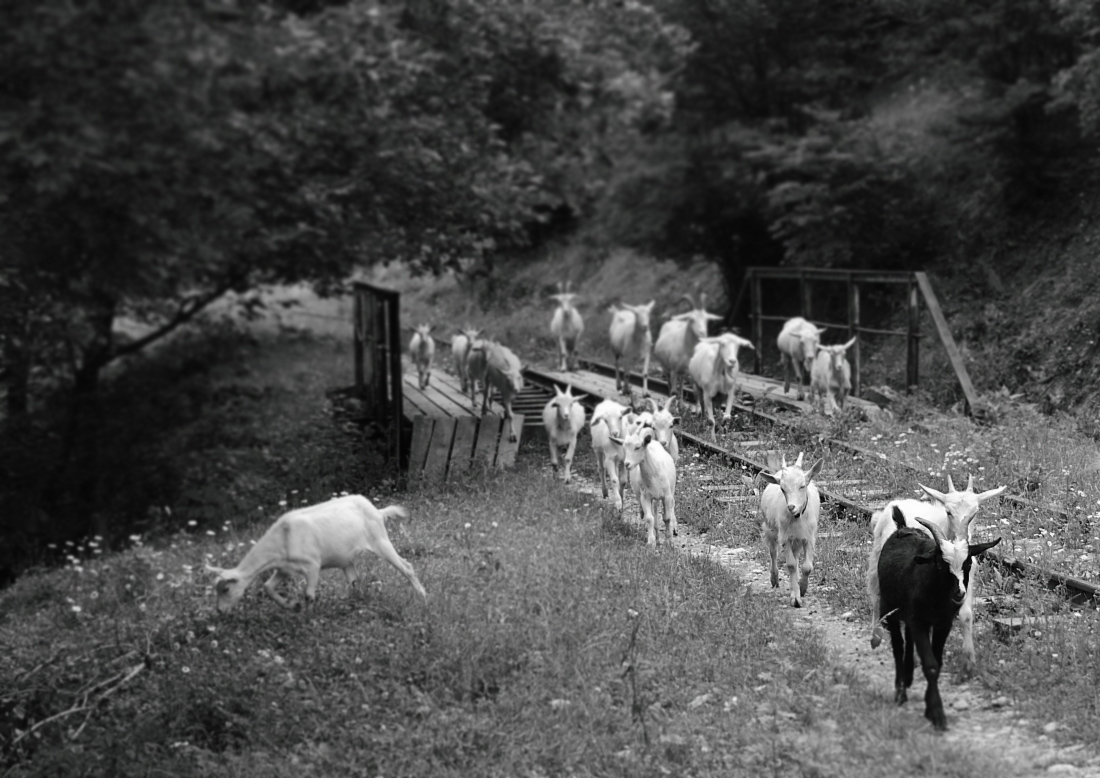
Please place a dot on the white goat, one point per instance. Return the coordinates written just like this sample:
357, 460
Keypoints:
953, 512
831, 378
461, 344
567, 326
790, 507
662, 422
476, 363
563, 418
677, 339
308, 540
607, 424
631, 338
422, 349
798, 342
714, 368
497, 367
652, 476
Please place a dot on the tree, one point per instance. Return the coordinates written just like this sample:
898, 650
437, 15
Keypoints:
158, 154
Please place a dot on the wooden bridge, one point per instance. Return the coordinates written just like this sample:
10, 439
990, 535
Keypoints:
436, 432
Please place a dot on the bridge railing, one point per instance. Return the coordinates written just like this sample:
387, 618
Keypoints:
916, 285
377, 348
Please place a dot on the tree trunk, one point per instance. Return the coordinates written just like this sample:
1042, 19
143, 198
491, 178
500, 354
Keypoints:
80, 466
18, 361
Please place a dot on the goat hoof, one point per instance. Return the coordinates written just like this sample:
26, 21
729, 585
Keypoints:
938, 719
512, 438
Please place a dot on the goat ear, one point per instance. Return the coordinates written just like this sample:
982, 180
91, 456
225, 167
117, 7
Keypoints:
769, 477
990, 494
215, 570
937, 496
647, 439
899, 518
848, 345
615, 440
978, 549
926, 557
815, 469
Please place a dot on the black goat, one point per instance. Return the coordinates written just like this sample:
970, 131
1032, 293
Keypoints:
922, 583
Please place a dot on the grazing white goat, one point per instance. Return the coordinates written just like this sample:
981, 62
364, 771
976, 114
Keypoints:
631, 338
798, 342
923, 582
662, 422
677, 339
831, 378
607, 424
790, 507
714, 368
563, 418
308, 540
422, 349
652, 476
461, 344
953, 512
567, 326
497, 368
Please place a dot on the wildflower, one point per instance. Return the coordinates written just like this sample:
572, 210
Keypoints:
494, 525
468, 525
210, 532
160, 576
95, 595
76, 609
192, 523
282, 503
185, 670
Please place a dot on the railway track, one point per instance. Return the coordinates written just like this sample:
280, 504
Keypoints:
1074, 589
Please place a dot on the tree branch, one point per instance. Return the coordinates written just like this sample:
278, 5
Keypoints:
188, 310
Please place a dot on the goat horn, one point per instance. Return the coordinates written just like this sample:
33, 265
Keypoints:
653, 404
703, 300
950, 486
937, 534
970, 482
689, 298
798, 462
783, 459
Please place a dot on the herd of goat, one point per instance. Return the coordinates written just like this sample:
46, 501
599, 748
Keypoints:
918, 571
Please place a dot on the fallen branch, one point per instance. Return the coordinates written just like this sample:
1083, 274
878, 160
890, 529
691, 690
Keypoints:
82, 706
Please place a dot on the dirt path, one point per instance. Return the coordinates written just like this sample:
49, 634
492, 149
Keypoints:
978, 720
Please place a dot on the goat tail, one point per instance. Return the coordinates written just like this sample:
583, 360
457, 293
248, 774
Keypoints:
397, 511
